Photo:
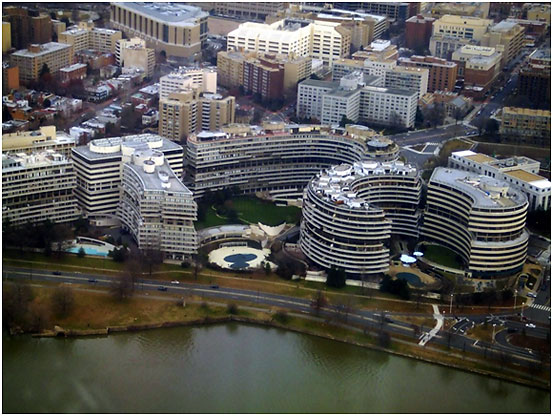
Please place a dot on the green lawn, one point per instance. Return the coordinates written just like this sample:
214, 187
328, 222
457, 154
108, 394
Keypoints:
252, 210
443, 256
255, 210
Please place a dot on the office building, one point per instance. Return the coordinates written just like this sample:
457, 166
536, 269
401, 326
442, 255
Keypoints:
442, 74
482, 219
187, 112
479, 66
443, 46
38, 141
248, 10
473, 9
359, 96
30, 61
539, 11
98, 167
408, 78
27, 26
519, 171
463, 27
319, 40
133, 53
263, 78
38, 187
275, 158
98, 39
178, 30
378, 50
395, 11
155, 207
204, 79
10, 77
534, 80
527, 126
418, 30
350, 212
507, 37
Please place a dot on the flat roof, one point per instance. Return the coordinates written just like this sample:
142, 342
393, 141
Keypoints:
153, 182
479, 158
45, 48
320, 83
174, 13
524, 175
483, 190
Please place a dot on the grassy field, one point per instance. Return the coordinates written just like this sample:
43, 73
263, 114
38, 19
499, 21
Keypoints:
252, 210
442, 255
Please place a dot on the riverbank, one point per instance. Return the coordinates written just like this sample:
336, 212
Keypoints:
98, 314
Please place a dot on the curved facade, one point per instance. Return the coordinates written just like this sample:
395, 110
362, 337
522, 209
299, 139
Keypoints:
480, 218
276, 158
350, 212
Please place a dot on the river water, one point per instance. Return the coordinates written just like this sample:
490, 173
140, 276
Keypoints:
235, 368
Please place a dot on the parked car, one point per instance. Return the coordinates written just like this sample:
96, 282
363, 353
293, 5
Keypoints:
57, 273
532, 295
214, 286
175, 282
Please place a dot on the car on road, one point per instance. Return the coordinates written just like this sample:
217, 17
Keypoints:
532, 295
91, 280
530, 325
175, 282
162, 288
214, 286
57, 273
511, 330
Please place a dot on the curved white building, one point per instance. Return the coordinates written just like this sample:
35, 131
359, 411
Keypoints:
480, 218
350, 211
276, 158
155, 207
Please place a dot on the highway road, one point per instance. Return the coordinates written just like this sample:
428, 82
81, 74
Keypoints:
371, 320
436, 135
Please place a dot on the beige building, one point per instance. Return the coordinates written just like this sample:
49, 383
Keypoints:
465, 27
474, 9
540, 12
138, 56
30, 61
176, 29
37, 141
532, 126
320, 40
6, 37
248, 10
98, 39
508, 37
230, 67
186, 112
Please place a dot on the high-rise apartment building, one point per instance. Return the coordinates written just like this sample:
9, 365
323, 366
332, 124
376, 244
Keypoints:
534, 80
479, 66
418, 30
38, 187
442, 74
98, 167
30, 61
176, 29
465, 27
155, 207
408, 78
36, 141
6, 37
187, 112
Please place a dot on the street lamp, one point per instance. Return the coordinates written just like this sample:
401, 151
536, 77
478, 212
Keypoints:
493, 335
515, 304
450, 303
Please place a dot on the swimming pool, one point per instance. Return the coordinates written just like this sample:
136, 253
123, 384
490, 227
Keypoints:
240, 261
410, 278
91, 251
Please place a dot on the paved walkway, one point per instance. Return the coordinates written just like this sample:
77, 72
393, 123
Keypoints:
439, 323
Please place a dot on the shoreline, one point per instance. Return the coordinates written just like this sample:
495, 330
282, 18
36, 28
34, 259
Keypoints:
60, 332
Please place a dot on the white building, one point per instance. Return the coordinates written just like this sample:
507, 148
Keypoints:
38, 187
359, 98
407, 78
320, 40
99, 164
155, 207
203, 78
519, 171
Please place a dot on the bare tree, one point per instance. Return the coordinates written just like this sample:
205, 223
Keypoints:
62, 301
122, 286
318, 302
151, 257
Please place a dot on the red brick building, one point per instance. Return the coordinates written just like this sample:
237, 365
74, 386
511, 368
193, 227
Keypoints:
442, 74
75, 71
264, 78
418, 30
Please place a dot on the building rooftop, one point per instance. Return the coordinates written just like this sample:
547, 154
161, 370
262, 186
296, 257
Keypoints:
111, 147
174, 13
478, 157
485, 192
526, 111
73, 67
336, 183
503, 26
154, 176
524, 176
395, 91
18, 161
75, 31
320, 83
43, 49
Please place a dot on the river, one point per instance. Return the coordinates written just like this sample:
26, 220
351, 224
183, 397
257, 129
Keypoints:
236, 368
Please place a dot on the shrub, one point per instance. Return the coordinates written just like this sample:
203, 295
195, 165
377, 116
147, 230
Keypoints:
281, 316
232, 309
